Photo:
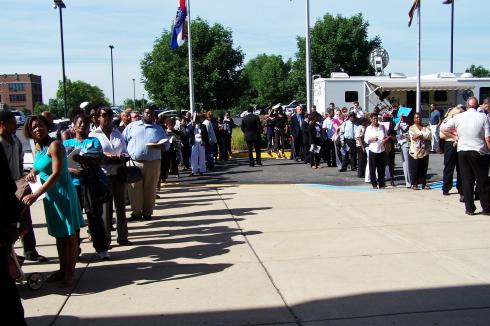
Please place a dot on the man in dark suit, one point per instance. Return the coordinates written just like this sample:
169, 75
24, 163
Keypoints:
11, 308
297, 121
252, 129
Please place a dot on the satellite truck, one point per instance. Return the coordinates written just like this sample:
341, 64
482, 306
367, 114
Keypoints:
444, 89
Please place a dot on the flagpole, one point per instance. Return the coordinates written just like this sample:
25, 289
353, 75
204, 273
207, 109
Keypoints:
419, 104
308, 58
189, 47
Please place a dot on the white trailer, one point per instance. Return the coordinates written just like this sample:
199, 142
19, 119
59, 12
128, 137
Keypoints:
443, 89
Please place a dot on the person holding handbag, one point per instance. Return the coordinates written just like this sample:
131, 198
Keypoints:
420, 138
115, 156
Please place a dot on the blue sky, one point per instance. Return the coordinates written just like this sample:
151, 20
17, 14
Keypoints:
31, 43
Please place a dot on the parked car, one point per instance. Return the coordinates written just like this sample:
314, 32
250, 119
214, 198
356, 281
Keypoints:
19, 117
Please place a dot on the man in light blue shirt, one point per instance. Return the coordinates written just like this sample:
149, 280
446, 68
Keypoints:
348, 142
142, 139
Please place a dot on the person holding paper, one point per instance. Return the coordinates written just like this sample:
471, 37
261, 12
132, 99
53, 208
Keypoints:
115, 155
61, 206
420, 138
145, 140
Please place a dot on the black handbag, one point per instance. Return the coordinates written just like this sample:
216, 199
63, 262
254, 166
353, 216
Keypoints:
129, 173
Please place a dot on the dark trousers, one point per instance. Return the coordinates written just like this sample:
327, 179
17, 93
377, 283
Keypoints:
270, 138
210, 154
315, 159
330, 152
118, 196
298, 146
227, 141
222, 145
186, 155
168, 164
450, 163
351, 155
418, 170
474, 168
95, 222
251, 145
377, 163
361, 162
279, 138
390, 161
11, 309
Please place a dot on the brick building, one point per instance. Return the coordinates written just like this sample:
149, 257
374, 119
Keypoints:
19, 91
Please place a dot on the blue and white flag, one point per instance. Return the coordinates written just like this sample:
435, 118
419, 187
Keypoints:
179, 31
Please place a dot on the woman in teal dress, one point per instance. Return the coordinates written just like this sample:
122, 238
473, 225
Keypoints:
61, 207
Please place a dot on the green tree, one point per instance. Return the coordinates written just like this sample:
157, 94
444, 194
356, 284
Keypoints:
216, 65
139, 102
40, 108
478, 71
77, 92
264, 80
337, 44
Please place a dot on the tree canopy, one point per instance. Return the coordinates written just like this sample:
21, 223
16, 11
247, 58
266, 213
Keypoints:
264, 80
478, 71
216, 65
77, 92
337, 44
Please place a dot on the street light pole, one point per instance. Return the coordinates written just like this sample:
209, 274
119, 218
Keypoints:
451, 2
134, 94
143, 103
112, 73
308, 58
60, 4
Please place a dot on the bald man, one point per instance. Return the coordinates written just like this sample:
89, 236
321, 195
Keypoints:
473, 130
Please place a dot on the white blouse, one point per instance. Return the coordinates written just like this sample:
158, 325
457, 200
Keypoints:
114, 145
379, 133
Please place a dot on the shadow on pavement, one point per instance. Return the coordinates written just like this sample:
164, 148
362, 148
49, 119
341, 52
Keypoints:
464, 305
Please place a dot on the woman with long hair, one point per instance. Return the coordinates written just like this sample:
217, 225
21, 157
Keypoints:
61, 206
420, 138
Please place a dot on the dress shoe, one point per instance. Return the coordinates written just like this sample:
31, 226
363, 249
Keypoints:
342, 170
392, 183
445, 193
486, 213
470, 213
134, 218
125, 242
461, 199
146, 217
34, 256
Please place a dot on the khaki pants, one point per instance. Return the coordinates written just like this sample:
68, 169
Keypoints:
142, 194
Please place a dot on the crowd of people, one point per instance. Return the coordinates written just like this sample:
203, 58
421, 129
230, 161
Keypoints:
104, 162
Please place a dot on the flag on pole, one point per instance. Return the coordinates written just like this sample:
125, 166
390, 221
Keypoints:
179, 31
411, 13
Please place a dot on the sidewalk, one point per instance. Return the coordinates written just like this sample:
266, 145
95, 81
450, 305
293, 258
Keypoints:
281, 255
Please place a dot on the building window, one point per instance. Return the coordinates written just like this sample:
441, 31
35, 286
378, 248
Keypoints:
440, 96
17, 87
351, 96
18, 98
484, 93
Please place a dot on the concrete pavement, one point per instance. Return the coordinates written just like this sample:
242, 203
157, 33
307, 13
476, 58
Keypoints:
281, 255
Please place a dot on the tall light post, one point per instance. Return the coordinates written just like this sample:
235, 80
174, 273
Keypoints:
134, 94
451, 2
60, 5
112, 73
308, 58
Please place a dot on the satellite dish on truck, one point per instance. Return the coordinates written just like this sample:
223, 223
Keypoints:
379, 59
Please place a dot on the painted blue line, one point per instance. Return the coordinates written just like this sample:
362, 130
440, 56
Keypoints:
340, 187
